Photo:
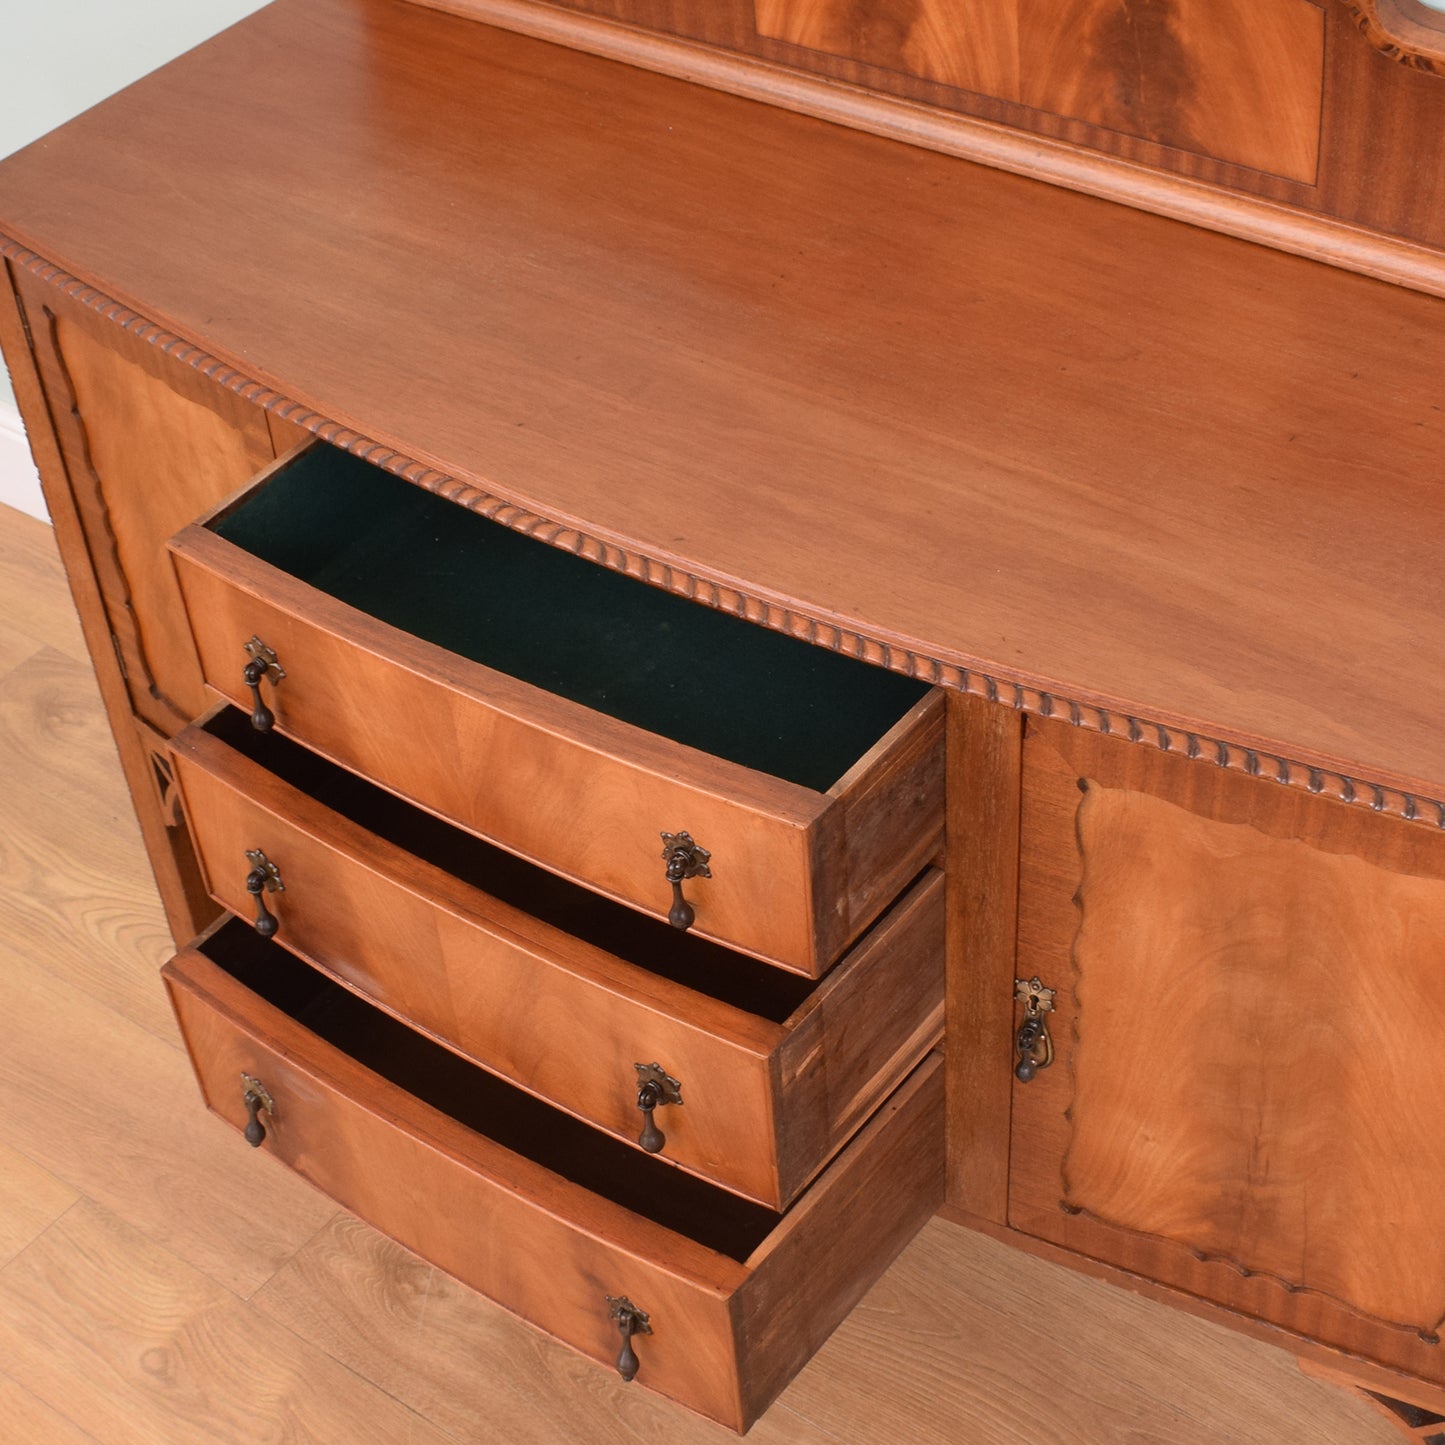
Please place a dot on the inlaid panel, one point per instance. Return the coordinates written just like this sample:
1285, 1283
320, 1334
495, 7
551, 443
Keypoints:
1247, 1096
1257, 1063
1237, 80
149, 445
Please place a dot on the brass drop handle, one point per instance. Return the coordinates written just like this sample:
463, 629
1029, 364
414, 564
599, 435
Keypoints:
684, 860
629, 1321
263, 664
1035, 1047
257, 1101
264, 878
654, 1087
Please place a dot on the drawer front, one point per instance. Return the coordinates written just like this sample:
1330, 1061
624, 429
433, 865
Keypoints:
725, 1337
795, 875
765, 1104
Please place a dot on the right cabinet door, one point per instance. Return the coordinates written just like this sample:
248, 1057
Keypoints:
1247, 1094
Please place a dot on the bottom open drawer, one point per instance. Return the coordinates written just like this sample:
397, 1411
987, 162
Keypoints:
550, 1218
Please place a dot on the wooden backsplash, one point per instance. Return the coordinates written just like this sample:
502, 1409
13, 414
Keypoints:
1329, 110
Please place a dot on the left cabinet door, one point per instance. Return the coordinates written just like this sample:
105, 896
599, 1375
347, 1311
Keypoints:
1247, 1094
149, 443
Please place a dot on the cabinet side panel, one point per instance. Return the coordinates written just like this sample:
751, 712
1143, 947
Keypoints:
149, 445
840, 1237
167, 843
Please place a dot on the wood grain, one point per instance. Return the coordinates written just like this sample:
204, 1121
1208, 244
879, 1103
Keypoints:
149, 447
985, 402
103, 1325
465, 1363
1234, 80
764, 1104
915, 89
972, 49
72, 903
880, 1192
795, 877
984, 763
31, 1419
73, 1073
169, 855
1405, 30
1267, 969
1254, 1028
726, 1336
31, 1199
1234, 201
948, 1343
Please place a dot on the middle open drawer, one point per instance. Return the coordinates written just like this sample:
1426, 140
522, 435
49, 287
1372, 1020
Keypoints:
562, 991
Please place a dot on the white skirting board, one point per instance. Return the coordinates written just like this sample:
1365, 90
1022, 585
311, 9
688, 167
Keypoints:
19, 483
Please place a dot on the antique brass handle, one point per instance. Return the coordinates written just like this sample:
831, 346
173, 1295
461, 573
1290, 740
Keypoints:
262, 664
264, 878
257, 1101
684, 860
654, 1087
630, 1321
1035, 1047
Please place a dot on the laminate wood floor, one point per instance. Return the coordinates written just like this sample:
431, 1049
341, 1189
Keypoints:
160, 1282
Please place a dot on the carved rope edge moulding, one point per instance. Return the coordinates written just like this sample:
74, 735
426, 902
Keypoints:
1423, 48
1036, 702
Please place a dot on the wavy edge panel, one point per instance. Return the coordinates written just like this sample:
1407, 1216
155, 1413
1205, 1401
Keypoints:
1094, 795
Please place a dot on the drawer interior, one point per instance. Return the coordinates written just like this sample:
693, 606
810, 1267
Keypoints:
555, 620
486, 1104
684, 958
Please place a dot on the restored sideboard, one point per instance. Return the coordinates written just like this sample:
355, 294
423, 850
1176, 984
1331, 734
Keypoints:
732, 625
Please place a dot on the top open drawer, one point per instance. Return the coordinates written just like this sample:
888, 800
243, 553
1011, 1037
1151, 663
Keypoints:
568, 713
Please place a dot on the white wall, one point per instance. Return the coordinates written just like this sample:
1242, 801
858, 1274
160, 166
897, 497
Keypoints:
60, 58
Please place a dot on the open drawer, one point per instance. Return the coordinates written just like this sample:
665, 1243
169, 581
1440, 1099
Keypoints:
569, 713
551, 1219
563, 991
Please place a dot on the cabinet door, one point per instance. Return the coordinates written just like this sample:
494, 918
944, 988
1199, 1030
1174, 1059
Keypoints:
1247, 1097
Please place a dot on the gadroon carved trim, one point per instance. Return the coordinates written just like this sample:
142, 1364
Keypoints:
1036, 702
1403, 30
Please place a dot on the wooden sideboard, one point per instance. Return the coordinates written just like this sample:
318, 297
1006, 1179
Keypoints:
1095, 398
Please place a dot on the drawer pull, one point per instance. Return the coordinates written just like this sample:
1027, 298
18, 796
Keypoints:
1035, 1047
262, 664
654, 1087
257, 1101
684, 860
264, 877
630, 1321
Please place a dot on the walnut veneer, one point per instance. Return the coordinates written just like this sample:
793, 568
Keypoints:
1149, 513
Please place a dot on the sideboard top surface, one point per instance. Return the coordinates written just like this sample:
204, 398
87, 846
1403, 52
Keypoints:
1129, 463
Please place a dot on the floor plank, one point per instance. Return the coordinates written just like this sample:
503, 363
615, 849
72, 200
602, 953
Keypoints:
76, 893
113, 1111
34, 1422
33, 590
100, 1323
974, 1341
467, 1364
31, 1199
952, 1345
